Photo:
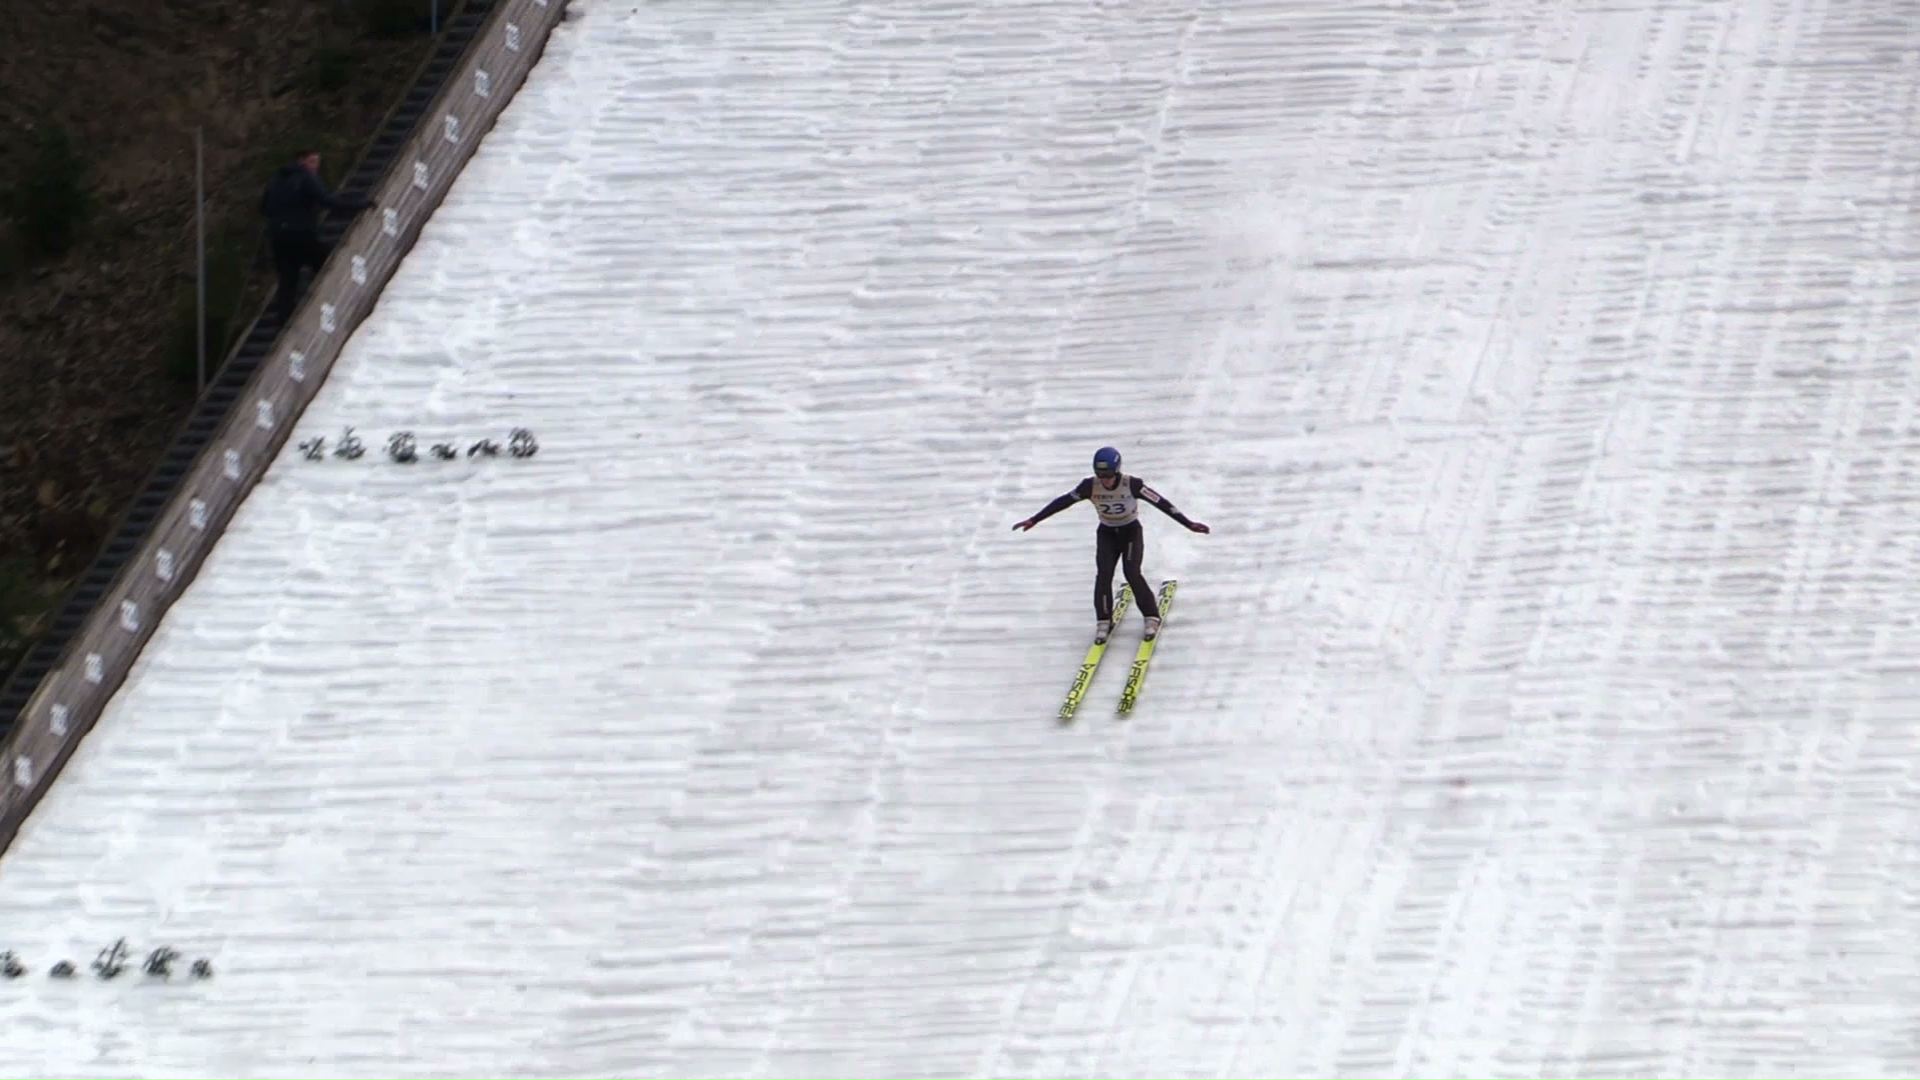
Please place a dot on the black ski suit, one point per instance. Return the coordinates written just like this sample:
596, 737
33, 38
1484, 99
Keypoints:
1123, 542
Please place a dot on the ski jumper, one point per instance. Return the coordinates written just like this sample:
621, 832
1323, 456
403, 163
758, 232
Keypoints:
1119, 538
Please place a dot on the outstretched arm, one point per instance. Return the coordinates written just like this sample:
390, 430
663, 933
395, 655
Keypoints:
1146, 494
1084, 489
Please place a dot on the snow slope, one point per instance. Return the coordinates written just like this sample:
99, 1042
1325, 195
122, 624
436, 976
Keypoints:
1542, 703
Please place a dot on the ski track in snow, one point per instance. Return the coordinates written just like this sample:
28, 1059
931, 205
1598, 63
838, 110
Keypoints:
1542, 704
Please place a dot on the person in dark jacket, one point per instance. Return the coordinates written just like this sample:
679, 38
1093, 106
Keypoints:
292, 199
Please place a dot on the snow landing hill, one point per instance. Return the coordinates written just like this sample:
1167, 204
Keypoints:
1543, 702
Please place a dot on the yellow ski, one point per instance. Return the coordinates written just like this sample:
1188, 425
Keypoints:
1138, 675
1094, 653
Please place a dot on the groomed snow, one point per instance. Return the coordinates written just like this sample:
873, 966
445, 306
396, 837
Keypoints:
1543, 703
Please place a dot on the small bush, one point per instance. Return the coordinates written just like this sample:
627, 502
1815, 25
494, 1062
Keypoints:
394, 18
226, 282
22, 604
48, 202
183, 344
13, 256
332, 69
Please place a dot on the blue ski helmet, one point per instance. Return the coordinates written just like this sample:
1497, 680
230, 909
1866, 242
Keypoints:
1106, 460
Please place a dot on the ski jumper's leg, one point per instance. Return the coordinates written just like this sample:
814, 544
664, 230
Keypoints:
1133, 555
1106, 552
